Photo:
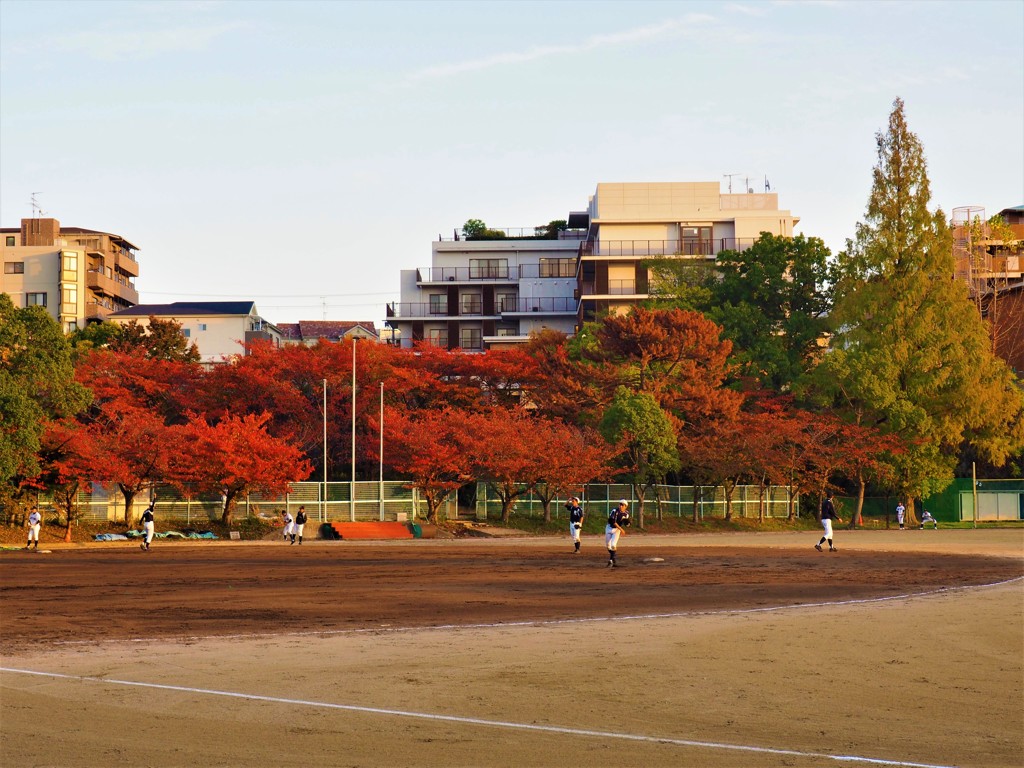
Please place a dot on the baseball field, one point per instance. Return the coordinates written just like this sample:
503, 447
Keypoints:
901, 649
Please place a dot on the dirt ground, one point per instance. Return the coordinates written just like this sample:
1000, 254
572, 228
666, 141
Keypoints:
903, 648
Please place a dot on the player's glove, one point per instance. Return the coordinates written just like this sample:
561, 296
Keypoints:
577, 526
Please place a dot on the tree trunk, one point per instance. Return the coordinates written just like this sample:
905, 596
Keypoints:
546, 503
696, 504
227, 514
857, 518
791, 503
506, 507
760, 501
639, 491
728, 486
129, 502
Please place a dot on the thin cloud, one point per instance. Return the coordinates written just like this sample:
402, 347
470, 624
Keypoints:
113, 44
669, 28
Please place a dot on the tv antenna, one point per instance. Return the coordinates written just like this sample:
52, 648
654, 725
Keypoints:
37, 210
730, 176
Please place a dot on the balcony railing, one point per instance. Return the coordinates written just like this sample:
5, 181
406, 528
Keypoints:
516, 233
546, 305
556, 268
407, 310
641, 248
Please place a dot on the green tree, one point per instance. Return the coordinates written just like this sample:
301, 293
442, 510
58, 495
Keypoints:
911, 356
158, 340
550, 230
635, 421
37, 384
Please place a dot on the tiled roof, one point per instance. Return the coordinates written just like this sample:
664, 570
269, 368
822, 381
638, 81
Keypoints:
306, 330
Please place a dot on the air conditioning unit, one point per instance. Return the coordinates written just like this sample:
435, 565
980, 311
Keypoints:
451, 278
536, 309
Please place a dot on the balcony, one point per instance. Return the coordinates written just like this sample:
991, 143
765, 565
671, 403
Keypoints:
550, 305
646, 248
422, 310
615, 288
484, 274
116, 286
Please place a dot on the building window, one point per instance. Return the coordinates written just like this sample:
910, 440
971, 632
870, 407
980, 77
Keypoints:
69, 301
558, 267
488, 269
471, 338
35, 299
438, 304
202, 326
506, 302
71, 326
470, 304
186, 332
10, 241
438, 337
70, 264
507, 330
14, 267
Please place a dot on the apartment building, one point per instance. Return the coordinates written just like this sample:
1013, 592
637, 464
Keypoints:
990, 260
483, 293
219, 329
630, 223
489, 293
79, 275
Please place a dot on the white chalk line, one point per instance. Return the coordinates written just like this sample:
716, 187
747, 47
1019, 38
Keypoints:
481, 721
537, 622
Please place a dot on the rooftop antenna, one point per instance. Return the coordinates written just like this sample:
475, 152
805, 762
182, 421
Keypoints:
729, 176
37, 210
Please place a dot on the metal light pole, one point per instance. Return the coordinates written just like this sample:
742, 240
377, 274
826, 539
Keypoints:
323, 498
380, 490
352, 490
974, 490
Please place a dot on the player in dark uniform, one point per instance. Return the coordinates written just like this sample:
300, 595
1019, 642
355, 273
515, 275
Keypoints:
618, 519
828, 514
148, 525
576, 516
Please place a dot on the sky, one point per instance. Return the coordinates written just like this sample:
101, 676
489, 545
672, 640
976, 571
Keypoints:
301, 154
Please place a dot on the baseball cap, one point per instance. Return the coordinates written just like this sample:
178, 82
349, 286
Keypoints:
623, 501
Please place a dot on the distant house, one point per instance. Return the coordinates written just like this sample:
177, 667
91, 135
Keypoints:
219, 329
309, 332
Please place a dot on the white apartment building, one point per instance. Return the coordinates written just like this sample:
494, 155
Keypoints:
219, 329
479, 294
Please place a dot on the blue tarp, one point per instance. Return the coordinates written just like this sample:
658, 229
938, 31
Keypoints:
161, 535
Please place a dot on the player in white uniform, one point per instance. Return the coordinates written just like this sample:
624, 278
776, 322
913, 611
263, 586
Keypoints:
926, 517
618, 519
34, 520
289, 524
901, 512
148, 525
299, 525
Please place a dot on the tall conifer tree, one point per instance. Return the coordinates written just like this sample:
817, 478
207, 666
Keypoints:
911, 355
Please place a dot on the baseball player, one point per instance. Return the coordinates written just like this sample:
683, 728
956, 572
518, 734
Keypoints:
901, 512
618, 519
926, 517
300, 523
576, 516
148, 525
289, 525
34, 520
828, 514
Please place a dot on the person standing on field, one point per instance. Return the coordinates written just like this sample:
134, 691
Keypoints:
34, 520
901, 513
148, 525
926, 517
618, 519
300, 523
828, 514
576, 516
289, 525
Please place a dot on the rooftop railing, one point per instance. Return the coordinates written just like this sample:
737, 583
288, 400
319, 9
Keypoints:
405, 310
515, 233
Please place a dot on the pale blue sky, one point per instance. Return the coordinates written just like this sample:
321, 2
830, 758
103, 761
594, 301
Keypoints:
290, 151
